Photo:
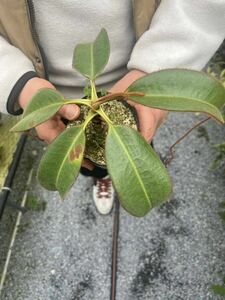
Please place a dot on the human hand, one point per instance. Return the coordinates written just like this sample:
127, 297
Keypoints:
150, 118
51, 128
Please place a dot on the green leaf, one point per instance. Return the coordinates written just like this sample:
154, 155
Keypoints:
90, 59
218, 290
42, 107
140, 178
181, 90
61, 163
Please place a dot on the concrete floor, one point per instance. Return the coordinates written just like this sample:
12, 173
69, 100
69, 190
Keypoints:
62, 250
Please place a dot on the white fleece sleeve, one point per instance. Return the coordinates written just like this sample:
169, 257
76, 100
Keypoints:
183, 34
13, 65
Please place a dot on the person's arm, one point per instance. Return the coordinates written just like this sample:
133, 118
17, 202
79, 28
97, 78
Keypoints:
16, 70
19, 82
183, 34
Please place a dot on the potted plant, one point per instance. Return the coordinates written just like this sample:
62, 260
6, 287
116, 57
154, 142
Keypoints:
139, 177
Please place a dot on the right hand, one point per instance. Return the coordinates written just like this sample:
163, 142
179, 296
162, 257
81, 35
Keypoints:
51, 128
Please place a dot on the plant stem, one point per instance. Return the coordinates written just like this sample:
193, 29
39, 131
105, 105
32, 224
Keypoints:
115, 96
104, 116
79, 101
171, 156
90, 116
94, 96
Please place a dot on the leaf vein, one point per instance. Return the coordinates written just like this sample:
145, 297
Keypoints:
134, 167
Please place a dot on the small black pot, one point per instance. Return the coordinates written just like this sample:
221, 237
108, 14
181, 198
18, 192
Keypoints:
134, 114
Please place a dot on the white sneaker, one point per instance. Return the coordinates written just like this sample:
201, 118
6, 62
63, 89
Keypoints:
103, 195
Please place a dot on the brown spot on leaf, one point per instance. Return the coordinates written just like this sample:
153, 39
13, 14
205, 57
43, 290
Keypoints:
75, 153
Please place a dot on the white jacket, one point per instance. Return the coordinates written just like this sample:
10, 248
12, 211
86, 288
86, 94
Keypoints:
182, 34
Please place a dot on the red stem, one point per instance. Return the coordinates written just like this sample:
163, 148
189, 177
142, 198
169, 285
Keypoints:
115, 96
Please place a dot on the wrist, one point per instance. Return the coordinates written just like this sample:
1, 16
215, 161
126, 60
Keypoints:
31, 88
126, 81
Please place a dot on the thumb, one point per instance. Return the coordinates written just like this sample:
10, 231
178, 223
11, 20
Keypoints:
148, 123
69, 111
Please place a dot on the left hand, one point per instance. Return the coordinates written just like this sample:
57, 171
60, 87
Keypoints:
150, 118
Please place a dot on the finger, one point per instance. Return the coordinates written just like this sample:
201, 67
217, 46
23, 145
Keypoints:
52, 135
87, 164
49, 130
132, 103
147, 124
61, 125
69, 112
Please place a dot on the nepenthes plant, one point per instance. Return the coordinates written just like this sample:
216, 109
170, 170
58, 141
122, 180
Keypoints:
102, 135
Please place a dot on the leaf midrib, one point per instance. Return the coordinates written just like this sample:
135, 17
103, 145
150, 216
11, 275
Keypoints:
133, 165
211, 107
42, 108
176, 97
29, 116
92, 61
